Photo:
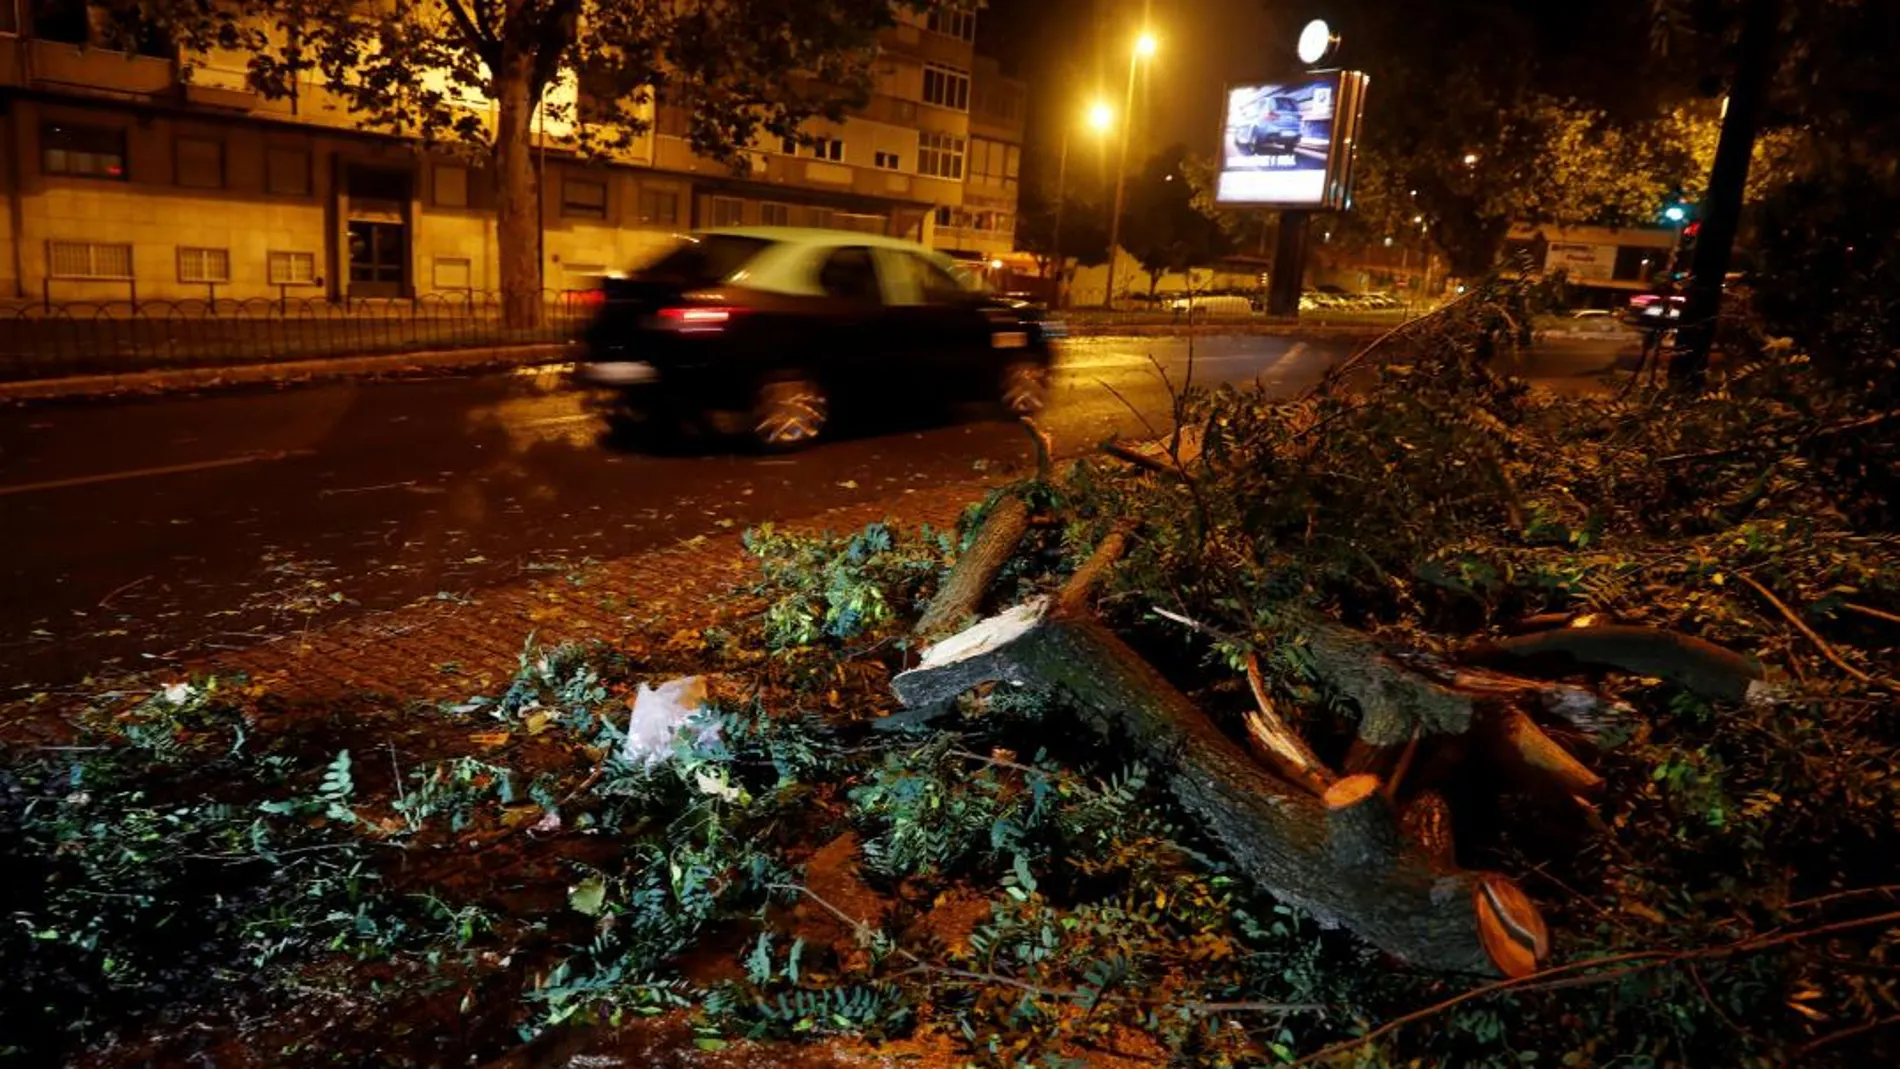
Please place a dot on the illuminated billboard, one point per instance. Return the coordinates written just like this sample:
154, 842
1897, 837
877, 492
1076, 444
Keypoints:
1290, 144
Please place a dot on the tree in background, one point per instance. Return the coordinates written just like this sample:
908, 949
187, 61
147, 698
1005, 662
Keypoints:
1084, 237
475, 73
1165, 231
1487, 112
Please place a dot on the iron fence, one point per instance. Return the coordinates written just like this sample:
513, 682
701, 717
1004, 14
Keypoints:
40, 340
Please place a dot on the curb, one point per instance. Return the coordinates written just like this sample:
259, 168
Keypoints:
289, 371
1280, 329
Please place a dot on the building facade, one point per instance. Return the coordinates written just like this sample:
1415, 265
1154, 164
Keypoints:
126, 179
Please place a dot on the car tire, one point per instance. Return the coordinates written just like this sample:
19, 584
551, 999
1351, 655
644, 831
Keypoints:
1023, 389
788, 413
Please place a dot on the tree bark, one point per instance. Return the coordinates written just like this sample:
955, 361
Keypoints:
517, 192
1695, 665
962, 592
1407, 903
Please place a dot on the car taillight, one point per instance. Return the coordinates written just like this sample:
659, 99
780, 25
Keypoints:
696, 319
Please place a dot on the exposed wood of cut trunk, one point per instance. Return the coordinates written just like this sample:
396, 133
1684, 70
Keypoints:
962, 593
1276, 743
1341, 868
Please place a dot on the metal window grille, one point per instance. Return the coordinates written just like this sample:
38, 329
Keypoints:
204, 265
88, 259
292, 268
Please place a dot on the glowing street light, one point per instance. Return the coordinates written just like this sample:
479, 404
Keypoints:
1145, 46
1471, 159
1101, 117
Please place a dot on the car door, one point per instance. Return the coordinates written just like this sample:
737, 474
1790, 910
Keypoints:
944, 336
852, 337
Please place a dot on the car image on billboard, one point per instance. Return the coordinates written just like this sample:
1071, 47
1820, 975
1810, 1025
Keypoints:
1277, 140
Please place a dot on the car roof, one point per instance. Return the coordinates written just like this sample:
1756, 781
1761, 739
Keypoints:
816, 236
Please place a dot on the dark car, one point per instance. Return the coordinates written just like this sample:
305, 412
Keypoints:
782, 325
1276, 128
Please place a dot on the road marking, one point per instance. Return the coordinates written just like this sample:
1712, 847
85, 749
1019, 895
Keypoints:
146, 473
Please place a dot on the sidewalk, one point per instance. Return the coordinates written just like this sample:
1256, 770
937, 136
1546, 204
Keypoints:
437, 650
172, 380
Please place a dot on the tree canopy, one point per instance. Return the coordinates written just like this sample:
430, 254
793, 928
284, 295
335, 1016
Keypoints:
475, 73
1164, 229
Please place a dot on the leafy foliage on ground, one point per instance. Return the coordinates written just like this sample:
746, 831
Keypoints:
209, 871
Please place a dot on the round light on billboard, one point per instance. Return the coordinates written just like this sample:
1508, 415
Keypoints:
1316, 41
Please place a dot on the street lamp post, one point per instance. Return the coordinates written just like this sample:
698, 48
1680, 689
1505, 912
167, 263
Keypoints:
1099, 117
1144, 48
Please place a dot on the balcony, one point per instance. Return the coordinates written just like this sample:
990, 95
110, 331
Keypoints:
95, 71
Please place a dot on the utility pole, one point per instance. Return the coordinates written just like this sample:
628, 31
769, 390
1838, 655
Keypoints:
1728, 181
1144, 46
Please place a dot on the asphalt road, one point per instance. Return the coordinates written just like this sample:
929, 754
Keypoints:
141, 532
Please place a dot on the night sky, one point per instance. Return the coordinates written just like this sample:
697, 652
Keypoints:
1067, 48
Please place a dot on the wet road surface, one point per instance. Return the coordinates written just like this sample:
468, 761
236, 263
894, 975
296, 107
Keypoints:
135, 533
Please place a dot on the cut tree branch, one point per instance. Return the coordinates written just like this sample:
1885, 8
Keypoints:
1279, 835
1695, 664
962, 591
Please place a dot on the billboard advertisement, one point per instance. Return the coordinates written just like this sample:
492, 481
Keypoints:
1290, 144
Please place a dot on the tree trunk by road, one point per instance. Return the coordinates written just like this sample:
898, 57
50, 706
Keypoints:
1728, 181
517, 192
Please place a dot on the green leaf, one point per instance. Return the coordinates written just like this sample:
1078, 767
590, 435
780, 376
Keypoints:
588, 896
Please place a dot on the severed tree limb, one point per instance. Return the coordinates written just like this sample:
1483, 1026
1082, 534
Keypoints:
962, 592
1274, 742
1519, 742
1277, 834
1690, 662
1081, 586
1394, 702
1160, 465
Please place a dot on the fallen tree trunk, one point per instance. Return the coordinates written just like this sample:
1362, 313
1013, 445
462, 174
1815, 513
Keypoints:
1339, 857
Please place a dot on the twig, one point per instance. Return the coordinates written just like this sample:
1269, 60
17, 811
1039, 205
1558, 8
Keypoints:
103, 602
1195, 625
1566, 975
1123, 451
1846, 1033
1820, 643
920, 967
1152, 433
1870, 611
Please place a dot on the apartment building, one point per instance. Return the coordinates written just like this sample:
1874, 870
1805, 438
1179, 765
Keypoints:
126, 180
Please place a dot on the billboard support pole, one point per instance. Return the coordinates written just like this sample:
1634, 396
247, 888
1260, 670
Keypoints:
1289, 265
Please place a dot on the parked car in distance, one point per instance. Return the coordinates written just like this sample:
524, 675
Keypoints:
1219, 304
1275, 128
781, 326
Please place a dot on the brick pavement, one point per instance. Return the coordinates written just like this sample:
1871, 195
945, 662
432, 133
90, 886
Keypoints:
445, 649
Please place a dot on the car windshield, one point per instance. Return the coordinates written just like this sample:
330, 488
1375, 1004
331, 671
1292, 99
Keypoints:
707, 259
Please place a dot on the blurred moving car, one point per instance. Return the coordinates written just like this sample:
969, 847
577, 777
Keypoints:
1275, 128
780, 324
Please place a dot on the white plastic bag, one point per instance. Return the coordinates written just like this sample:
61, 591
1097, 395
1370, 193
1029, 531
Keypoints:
659, 713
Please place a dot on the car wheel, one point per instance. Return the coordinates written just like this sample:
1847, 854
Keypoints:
1024, 389
789, 414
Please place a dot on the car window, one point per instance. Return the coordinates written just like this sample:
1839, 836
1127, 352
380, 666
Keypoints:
848, 274
700, 261
917, 279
